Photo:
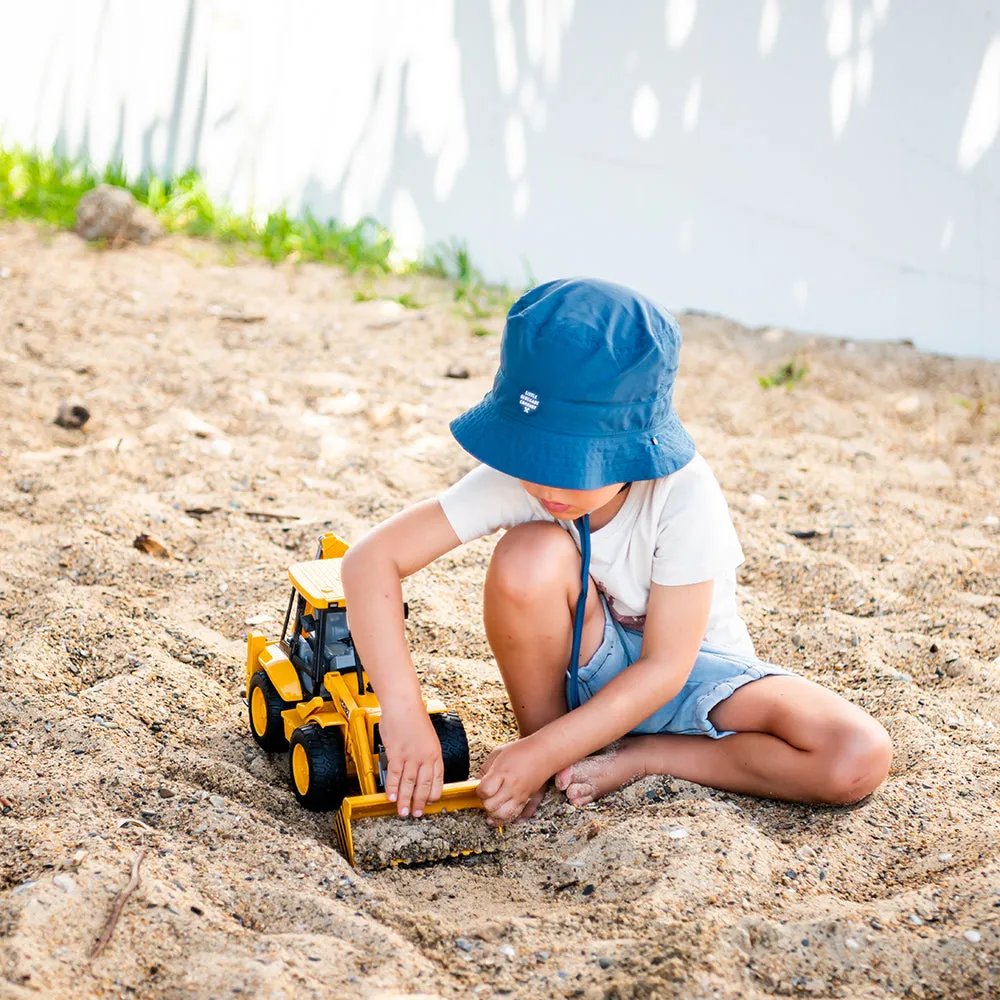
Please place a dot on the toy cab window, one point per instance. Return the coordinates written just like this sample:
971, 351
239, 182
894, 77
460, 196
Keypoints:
327, 633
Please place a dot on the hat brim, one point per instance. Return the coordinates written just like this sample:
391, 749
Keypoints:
569, 461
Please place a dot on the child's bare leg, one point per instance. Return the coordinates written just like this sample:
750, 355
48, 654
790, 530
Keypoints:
532, 587
794, 740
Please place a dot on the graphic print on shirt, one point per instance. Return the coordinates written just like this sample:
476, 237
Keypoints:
634, 623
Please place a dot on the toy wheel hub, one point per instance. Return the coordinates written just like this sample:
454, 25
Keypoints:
300, 769
258, 711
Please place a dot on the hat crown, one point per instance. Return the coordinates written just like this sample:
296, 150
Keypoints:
588, 355
583, 396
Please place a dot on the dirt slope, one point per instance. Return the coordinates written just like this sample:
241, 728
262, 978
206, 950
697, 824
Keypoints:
121, 671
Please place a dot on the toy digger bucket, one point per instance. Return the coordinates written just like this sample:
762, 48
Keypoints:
436, 835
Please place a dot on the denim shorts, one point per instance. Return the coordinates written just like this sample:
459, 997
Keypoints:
715, 676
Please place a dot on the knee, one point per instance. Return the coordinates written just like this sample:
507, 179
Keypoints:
531, 560
855, 762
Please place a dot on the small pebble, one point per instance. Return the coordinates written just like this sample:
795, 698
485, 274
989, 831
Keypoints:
507, 951
464, 945
456, 371
72, 416
852, 944
804, 853
678, 834
604, 962
68, 885
541, 956
218, 801
991, 521
165, 793
876, 925
947, 856
973, 936
914, 919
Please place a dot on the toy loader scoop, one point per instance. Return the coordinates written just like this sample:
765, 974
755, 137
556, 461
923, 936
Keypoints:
308, 692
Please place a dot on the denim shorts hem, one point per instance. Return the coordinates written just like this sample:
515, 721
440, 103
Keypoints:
715, 676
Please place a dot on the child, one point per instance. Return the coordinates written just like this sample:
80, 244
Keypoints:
610, 602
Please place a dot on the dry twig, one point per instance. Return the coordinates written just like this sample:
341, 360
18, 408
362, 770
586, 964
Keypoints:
265, 515
116, 908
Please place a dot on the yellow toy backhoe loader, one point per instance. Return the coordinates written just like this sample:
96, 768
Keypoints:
308, 692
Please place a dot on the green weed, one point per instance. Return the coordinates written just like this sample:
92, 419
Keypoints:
407, 301
473, 295
787, 375
48, 188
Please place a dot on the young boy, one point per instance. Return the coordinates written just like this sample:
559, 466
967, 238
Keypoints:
610, 602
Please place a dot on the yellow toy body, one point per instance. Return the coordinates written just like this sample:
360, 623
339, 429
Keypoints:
308, 691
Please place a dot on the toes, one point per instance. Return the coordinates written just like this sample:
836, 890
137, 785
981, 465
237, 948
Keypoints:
579, 793
564, 778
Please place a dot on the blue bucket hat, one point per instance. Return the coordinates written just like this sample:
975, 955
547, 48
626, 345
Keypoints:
583, 397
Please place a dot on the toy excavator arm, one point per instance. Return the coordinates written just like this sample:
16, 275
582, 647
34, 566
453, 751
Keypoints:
331, 547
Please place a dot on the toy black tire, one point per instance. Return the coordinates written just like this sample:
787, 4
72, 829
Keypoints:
454, 745
317, 767
264, 708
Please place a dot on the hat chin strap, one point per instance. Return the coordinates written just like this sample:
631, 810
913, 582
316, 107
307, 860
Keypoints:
583, 527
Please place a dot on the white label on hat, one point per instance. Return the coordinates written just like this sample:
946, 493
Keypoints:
529, 402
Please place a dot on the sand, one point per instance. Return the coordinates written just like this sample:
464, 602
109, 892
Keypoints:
236, 412
380, 842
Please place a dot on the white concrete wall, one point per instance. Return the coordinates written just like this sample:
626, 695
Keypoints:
829, 166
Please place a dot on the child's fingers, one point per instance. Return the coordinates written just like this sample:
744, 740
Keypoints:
406, 786
438, 782
495, 797
422, 788
503, 808
489, 785
393, 775
488, 763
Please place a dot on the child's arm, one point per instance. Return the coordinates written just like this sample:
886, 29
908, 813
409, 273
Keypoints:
676, 618
371, 574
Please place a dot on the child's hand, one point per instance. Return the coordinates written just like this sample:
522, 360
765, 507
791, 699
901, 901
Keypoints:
416, 771
512, 775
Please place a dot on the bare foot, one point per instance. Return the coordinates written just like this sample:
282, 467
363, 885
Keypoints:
617, 765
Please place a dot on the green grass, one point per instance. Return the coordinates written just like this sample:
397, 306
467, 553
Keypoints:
473, 296
788, 375
47, 189
407, 301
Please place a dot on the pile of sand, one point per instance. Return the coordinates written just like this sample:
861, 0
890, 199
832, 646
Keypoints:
237, 412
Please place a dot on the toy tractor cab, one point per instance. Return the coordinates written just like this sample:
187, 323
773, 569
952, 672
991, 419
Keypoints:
308, 692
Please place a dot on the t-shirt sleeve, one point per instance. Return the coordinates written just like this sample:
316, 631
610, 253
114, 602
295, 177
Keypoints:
485, 500
696, 540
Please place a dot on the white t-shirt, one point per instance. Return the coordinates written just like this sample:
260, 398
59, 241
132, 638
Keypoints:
672, 531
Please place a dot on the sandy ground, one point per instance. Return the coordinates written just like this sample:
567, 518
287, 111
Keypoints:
122, 671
